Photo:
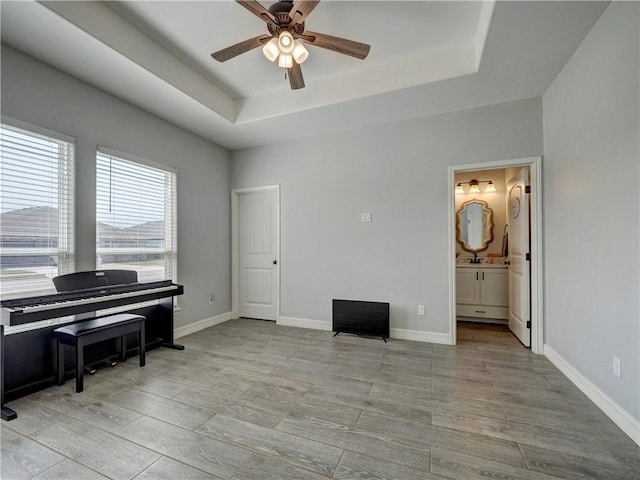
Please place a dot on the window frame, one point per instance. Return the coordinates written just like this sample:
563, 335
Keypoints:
170, 214
65, 249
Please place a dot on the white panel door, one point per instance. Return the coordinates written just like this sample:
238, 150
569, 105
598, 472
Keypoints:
258, 255
519, 274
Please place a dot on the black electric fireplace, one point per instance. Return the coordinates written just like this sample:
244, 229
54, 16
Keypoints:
361, 318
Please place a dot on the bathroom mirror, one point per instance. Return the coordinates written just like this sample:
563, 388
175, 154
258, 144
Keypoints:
474, 225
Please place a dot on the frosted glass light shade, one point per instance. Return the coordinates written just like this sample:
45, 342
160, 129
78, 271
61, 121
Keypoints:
300, 54
474, 188
490, 187
270, 49
285, 60
285, 42
459, 189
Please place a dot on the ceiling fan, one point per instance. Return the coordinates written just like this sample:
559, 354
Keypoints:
287, 36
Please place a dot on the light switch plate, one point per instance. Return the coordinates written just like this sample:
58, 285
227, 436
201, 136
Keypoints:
366, 217
617, 367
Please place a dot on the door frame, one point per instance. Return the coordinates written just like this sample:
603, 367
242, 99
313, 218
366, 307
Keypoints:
535, 172
235, 245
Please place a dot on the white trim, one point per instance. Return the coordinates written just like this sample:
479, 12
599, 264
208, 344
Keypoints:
201, 325
304, 323
38, 130
110, 152
420, 336
264, 188
623, 419
535, 171
397, 333
235, 249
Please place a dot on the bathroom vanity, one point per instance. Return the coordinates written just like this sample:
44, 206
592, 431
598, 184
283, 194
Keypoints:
482, 291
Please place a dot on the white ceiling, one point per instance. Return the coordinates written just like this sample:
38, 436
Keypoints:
426, 58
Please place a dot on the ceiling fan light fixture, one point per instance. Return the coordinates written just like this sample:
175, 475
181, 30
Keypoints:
300, 54
288, 37
271, 50
285, 42
285, 60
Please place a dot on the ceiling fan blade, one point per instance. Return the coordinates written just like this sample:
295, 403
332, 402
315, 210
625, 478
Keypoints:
239, 48
296, 79
258, 10
340, 45
301, 9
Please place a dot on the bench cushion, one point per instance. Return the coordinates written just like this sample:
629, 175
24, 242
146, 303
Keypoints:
97, 324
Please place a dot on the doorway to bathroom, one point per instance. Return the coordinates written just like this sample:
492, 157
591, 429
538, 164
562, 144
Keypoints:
495, 242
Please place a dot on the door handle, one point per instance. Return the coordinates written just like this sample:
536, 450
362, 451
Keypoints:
275, 262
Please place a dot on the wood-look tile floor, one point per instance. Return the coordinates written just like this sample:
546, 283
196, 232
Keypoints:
250, 400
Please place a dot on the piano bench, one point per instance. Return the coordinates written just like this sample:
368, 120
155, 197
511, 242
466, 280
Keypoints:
78, 335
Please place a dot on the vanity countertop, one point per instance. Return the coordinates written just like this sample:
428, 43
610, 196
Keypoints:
481, 265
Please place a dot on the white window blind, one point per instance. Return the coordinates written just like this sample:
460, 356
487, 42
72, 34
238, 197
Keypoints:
136, 216
36, 209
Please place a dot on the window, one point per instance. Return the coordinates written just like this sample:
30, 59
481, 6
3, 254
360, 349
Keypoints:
36, 208
135, 216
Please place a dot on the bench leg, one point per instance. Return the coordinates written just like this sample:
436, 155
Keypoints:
79, 365
60, 352
141, 342
123, 348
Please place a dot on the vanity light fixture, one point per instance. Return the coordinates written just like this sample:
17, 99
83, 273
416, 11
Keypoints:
474, 186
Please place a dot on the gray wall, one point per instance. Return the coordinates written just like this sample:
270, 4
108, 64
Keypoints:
398, 172
38, 94
591, 173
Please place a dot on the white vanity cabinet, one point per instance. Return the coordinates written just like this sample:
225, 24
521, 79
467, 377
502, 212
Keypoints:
482, 292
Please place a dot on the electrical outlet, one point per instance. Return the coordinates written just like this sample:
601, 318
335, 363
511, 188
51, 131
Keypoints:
211, 299
617, 367
421, 310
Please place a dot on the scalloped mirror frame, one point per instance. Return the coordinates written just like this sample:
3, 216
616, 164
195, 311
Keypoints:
487, 236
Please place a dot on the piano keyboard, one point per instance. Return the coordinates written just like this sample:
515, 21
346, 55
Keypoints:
30, 309
87, 300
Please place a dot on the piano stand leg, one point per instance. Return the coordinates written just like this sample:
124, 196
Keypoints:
8, 414
174, 346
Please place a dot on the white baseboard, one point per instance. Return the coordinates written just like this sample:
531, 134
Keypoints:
201, 325
623, 419
420, 336
399, 333
304, 323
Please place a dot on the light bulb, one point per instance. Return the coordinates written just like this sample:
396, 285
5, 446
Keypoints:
300, 54
285, 60
285, 42
270, 49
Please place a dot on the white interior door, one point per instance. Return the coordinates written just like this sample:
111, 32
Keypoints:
519, 273
258, 238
